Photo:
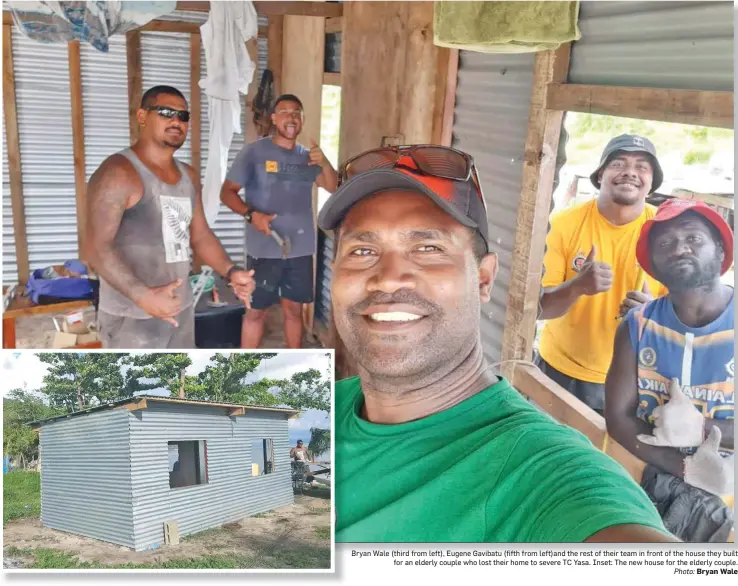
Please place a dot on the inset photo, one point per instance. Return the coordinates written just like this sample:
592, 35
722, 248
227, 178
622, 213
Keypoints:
142, 460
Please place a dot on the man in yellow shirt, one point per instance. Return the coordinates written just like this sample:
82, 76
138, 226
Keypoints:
591, 273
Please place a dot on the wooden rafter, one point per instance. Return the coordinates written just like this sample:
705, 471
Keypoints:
295, 8
135, 80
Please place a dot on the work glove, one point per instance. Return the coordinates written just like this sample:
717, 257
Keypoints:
707, 470
677, 424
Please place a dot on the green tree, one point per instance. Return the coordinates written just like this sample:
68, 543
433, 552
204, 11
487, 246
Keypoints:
80, 379
223, 380
304, 390
320, 441
162, 370
19, 408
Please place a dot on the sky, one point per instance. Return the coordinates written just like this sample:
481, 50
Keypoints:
21, 369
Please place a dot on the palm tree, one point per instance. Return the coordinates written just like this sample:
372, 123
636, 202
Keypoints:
320, 441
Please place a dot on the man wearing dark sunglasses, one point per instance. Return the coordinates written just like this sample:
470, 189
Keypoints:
277, 175
462, 457
144, 214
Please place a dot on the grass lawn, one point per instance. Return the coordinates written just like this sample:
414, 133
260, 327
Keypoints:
21, 495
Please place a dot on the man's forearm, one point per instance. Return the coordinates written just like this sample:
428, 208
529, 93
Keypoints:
727, 430
233, 201
556, 301
115, 271
329, 178
209, 249
669, 460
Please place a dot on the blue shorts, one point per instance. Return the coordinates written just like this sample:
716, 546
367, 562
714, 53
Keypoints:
286, 278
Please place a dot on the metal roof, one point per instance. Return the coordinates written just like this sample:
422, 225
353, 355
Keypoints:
121, 402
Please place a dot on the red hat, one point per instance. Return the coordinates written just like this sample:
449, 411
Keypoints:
673, 208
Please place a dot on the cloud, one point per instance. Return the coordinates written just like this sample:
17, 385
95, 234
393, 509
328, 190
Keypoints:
284, 365
22, 369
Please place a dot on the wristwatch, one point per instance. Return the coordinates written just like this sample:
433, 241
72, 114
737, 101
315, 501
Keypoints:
248, 216
230, 271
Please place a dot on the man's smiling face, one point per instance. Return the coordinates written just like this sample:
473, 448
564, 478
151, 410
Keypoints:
406, 285
627, 178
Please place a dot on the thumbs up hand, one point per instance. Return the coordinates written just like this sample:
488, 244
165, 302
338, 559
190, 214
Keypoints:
677, 424
316, 154
635, 299
162, 302
594, 277
708, 470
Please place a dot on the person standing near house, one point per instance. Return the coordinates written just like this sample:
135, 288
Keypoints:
592, 276
300, 453
670, 390
277, 175
144, 213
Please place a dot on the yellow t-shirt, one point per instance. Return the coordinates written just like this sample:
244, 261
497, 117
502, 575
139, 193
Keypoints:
580, 343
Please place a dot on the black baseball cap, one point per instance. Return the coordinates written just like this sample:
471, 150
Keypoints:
630, 143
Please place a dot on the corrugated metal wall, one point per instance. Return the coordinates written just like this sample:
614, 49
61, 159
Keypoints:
491, 123
231, 493
47, 160
680, 45
86, 478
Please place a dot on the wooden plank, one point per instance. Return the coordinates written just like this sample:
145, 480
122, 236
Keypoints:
24, 307
135, 81
251, 132
539, 166
7, 17
445, 98
78, 141
14, 159
135, 406
333, 25
331, 78
195, 129
388, 69
237, 411
274, 50
567, 409
716, 199
9, 340
170, 26
296, 8
704, 108
303, 56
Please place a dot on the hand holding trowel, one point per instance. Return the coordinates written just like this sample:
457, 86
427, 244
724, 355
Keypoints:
262, 222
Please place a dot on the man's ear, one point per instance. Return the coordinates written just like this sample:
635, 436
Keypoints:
487, 273
141, 116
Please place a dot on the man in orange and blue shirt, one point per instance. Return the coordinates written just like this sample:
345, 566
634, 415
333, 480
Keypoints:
669, 392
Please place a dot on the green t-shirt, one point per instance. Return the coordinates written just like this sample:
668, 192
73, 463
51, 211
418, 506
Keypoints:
491, 469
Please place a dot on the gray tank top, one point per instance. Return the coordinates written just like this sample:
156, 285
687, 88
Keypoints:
154, 239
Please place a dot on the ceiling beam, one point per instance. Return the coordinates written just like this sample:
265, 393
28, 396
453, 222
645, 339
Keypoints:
295, 8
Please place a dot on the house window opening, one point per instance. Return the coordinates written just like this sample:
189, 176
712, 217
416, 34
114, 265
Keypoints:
262, 457
188, 463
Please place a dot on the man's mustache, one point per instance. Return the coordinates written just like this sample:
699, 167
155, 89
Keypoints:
404, 296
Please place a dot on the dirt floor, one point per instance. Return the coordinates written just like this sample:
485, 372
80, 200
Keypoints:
38, 332
301, 529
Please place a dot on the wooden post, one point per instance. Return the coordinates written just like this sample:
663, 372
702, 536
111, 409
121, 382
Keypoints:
78, 140
303, 55
195, 129
133, 60
250, 132
274, 50
539, 166
14, 159
445, 100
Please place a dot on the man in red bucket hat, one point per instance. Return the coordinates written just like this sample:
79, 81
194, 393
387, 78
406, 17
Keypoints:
669, 394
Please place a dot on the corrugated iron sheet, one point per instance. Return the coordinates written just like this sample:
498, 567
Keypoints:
231, 492
86, 477
47, 159
490, 123
681, 45
105, 101
323, 279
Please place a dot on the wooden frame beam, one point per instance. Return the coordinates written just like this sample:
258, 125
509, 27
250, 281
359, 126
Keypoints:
333, 25
294, 8
137, 405
567, 409
78, 141
135, 80
237, 411
274, 50
170, 26
445, 99
703, 108
330, 78
14, 159
539, 167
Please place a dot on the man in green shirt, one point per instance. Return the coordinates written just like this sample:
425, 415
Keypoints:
431, 445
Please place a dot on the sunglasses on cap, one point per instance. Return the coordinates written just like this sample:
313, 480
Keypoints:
165, 112
431, 160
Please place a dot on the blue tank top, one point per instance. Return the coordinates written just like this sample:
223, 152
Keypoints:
702, 359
